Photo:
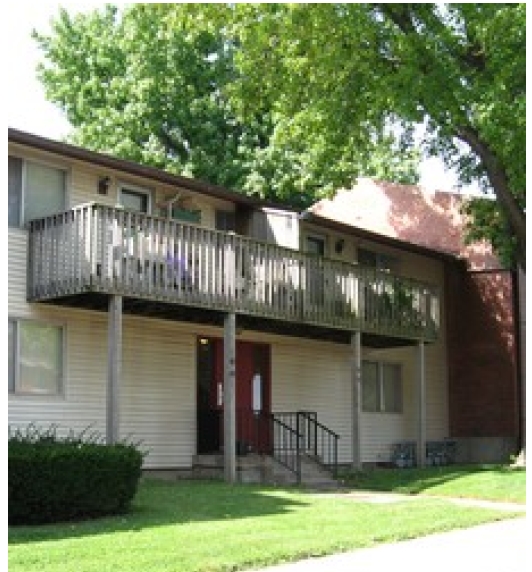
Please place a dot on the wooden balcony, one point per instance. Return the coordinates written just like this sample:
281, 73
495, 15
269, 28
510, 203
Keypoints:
99, 249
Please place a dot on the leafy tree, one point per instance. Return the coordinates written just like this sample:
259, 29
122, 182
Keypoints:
290, 101
153, 84
342, 72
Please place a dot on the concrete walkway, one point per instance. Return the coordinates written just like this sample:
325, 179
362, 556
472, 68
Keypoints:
495, 547
387, 498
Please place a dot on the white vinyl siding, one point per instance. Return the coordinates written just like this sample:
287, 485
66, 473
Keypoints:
316, 376
157, 391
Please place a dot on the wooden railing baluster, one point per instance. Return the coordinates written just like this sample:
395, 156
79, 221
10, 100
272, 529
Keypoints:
109, 249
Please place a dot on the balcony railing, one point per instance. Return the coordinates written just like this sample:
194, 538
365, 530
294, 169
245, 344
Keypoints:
96, 248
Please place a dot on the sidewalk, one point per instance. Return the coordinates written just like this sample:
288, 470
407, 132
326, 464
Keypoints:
495, 547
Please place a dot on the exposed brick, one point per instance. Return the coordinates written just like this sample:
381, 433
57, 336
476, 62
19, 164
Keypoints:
483, 400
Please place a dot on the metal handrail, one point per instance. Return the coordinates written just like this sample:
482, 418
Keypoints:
307, 437
286, 448
324, 442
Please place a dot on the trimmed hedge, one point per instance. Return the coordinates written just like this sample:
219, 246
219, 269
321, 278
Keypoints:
53, 479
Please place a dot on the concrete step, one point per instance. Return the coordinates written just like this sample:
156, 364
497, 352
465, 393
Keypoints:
254, 468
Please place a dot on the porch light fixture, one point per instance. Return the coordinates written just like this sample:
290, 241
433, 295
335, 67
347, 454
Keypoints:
103, 185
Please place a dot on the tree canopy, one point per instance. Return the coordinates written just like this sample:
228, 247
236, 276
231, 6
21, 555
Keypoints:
152, 85
291, 101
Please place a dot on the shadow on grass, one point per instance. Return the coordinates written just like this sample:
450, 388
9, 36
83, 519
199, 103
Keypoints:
159, 503
414, 480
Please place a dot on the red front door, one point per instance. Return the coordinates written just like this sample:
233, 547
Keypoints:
253, 395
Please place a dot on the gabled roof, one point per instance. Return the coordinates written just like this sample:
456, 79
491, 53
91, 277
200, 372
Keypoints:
408, 213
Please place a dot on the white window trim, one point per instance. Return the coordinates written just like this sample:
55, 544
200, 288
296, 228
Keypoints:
380, 380
61, 390
125, 186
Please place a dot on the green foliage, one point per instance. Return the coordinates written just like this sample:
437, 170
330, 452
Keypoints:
343, 72
200, 526
156, 84
53, 478
293, 101
487, 482
489, 223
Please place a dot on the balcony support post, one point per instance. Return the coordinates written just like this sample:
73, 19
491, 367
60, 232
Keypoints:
229, 399
114, 367
356, 382
422, 398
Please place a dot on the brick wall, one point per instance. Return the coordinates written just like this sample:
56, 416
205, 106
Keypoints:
481, 326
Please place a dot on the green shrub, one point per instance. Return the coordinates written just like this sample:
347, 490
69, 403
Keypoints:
54, 478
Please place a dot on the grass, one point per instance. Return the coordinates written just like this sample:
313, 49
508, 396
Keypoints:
212, 526
488, 482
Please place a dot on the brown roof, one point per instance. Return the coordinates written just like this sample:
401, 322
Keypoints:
411, 214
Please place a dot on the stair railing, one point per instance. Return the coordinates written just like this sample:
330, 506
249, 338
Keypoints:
300, 433
320, 441
286, 442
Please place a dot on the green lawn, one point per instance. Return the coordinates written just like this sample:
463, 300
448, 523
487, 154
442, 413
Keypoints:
488, 482
211, 526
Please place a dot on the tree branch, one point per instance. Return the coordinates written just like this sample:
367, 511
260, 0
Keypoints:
498, 180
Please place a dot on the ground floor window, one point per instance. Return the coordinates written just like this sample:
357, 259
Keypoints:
36, 357
382, 387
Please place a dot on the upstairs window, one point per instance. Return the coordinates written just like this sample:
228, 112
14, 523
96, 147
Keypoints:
135, 199
35, 190
377, 260
225, 221
315, 245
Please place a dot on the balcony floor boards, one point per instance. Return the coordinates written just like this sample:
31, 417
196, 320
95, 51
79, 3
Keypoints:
97, 301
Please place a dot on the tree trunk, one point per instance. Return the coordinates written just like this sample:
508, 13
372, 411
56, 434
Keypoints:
499, 182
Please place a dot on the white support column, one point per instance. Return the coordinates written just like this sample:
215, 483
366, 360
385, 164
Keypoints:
422, 413
356, 383
230, 397
114, 367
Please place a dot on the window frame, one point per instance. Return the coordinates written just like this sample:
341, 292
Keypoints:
14, 385
225, 215
381, 405
22, 223
138, 190
381, 258
316, 237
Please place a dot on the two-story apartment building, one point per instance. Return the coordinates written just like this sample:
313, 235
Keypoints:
196, 320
